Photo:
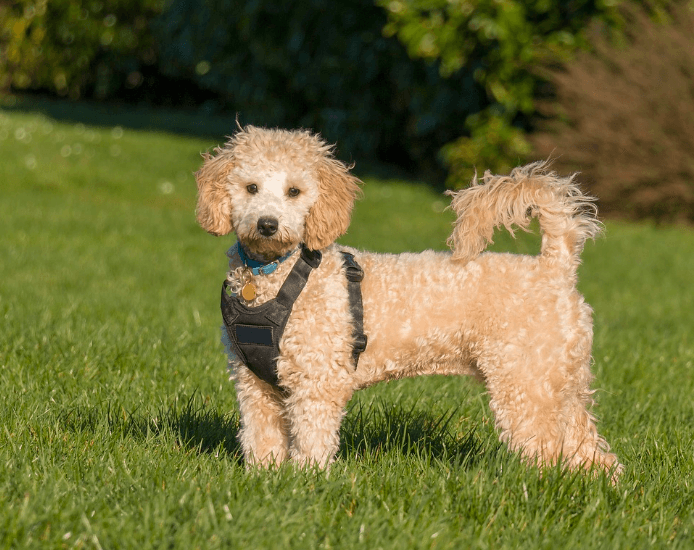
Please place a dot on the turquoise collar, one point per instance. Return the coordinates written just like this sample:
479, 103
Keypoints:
259, 268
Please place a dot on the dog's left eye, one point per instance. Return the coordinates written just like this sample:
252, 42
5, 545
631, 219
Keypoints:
252, 188
293, 192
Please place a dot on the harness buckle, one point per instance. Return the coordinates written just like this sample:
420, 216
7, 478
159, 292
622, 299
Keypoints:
311, 257
360, 341
354, 274
353, 271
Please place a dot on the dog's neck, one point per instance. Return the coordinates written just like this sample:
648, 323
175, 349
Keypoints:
258, 261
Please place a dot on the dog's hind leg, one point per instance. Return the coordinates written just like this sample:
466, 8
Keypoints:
540, 405
264, 433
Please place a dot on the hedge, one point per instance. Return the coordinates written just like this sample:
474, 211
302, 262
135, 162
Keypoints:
76, 48
319, 64
396, 80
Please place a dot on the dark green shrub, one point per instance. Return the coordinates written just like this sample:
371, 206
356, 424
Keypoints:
469, 80
624, 117
319, 64
506, 43
75, 47
406, 81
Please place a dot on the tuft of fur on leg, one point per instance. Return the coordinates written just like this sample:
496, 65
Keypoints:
567, 216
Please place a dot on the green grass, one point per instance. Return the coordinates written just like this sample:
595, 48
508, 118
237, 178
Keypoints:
118, 422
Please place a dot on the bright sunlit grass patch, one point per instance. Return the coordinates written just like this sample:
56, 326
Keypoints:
118, 423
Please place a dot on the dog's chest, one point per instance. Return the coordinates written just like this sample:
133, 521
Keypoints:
318, 320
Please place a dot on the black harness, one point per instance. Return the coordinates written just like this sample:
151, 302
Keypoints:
255, 333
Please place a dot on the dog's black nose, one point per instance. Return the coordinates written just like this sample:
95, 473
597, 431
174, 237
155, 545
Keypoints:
267, 226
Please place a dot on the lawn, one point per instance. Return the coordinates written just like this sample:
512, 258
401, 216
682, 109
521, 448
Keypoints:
118, 422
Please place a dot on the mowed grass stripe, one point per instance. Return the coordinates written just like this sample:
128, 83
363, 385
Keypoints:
118, 422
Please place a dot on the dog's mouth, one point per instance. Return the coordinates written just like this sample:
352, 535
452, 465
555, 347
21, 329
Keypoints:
267, 238
268, 248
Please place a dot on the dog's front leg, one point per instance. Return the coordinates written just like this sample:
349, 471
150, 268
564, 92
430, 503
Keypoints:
315, 410
264, 433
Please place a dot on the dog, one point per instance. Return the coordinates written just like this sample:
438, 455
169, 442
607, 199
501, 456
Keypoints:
516, 322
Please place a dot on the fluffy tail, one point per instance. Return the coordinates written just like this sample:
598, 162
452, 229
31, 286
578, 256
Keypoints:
567, 217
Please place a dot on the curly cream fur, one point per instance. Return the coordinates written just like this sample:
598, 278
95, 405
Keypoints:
516, 322
567, 216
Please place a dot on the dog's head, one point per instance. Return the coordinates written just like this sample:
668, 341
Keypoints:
275, 189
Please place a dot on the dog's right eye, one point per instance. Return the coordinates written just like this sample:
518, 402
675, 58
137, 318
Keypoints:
252, 188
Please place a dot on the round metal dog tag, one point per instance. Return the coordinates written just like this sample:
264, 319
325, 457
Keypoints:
248, 292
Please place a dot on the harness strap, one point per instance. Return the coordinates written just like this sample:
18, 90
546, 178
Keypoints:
298, 276
355, 275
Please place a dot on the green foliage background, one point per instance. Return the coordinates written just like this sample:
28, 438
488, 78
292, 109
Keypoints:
437, 87
319, 64
507, 42
74, 47
395, 80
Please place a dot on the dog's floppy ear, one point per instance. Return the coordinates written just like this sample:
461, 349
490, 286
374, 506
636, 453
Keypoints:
213, 211
329, 217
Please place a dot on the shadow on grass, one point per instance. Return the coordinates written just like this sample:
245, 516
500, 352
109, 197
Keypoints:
194, 426
368, 432
385, 427
190, 122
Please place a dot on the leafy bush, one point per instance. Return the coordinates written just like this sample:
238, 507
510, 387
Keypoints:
504, 43
407, 81
624, 117
332, 67
319, 64
75, 47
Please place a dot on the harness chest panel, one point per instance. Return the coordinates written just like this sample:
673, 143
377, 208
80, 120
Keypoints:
255, 333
